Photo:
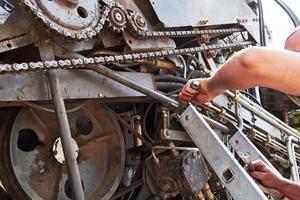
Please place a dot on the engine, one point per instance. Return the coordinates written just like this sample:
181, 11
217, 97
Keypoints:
78, 73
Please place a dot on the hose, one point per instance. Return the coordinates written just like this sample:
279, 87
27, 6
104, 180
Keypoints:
290, 13
169, 85
170, 78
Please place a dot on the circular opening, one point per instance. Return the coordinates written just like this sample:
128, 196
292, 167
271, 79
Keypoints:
9, 45
82, 12
130, 42
68, 189
84, 125
27, 140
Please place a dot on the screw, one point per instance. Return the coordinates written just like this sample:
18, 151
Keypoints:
237, 141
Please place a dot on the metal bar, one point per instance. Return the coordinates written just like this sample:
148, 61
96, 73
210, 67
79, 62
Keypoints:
291, 152
233, 176
47, 53
65, 135
243, 146
132, 84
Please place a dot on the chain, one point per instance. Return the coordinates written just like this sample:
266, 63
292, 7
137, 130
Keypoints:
79, 63
131, 25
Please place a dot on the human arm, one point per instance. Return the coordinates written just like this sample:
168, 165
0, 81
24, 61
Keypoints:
273, 180
254, 66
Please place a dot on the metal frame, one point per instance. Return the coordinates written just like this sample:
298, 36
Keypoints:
232, 175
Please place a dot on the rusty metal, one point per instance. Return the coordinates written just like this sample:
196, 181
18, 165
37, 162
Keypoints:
99, 138
207, 192
70, 157
161, 64
138, 129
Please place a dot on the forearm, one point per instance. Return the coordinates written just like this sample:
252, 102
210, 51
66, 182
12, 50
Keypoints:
263, 67
289, 189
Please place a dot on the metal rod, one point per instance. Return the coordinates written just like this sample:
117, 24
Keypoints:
132, 84
291, 152
65, 135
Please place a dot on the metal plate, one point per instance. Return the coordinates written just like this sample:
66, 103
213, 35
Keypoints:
194, 12
76, 84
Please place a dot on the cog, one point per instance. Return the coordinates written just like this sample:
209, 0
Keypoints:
75, 19
117, 18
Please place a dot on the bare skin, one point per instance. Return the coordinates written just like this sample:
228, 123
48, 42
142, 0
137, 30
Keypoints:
251, 67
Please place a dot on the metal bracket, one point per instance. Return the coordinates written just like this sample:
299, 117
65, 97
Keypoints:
242, 145
233, 176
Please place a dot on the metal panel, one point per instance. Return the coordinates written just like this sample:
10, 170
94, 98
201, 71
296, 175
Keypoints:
76, 84
233, 176
195, 12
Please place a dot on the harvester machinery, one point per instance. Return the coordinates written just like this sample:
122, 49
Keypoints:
88, 96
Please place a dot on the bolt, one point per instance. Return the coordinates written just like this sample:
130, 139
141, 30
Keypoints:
187, 117
118, 17
140, 21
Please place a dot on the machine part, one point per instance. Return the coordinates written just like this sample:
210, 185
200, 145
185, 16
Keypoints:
83, 62
194, 14
117, 18
139, 21
230, 172
186, 174
5, 11
138, 129
58, 152
291, 145
207, 192
76, 20
24, 90
69, 150
243, 146
157, 63
196, 172
15, 43
28, 155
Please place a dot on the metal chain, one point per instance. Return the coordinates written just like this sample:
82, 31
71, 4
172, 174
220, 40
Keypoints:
143, 33
131, 26
81, 63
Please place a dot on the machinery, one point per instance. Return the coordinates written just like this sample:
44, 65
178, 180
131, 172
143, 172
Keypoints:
97, 81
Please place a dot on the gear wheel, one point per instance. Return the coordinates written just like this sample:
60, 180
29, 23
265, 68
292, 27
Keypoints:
75, 19
117, 18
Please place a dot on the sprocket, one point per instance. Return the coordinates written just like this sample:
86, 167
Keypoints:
117, 18
75, 19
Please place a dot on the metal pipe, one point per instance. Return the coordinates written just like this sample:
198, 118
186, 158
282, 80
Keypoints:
132, 84
291, 145
65, 135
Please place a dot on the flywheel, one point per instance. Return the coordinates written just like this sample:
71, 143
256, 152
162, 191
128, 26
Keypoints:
33, 161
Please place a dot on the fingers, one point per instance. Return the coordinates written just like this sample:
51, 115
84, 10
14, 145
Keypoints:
259, 165
188, 93
258, 175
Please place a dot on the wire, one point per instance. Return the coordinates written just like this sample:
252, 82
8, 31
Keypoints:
144, 122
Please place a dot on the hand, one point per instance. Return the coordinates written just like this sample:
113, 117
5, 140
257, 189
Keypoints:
266, 175
200, 96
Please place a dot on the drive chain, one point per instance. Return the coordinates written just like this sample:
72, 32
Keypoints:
81, 63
